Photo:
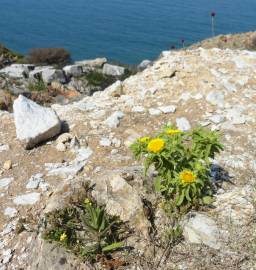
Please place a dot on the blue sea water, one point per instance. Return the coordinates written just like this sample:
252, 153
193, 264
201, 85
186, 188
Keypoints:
123, 30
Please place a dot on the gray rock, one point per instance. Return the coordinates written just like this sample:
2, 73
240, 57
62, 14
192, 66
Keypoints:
10, 212
27, 199
183, 124
34, 123
105, 142
121, 199
73, 70
5, 182
113, 70
167, 109
17, 70
113, 120
217, 118
215, 98
201, 229
144, 64
48, 74
35, 181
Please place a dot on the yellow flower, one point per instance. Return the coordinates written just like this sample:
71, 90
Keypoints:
63, 237
156, 145
187, 177
87, 201
172, 131
144, 139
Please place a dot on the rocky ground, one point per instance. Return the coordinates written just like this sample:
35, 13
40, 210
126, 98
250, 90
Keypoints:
209, 87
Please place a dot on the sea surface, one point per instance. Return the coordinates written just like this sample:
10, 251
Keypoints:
122, 30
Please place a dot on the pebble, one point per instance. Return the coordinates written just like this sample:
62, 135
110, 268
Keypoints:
113, 121
105, 142
27, 199
7, 165
4, 147
183, 124
167, 109
138, 109
10, 212
153, 111
5, 182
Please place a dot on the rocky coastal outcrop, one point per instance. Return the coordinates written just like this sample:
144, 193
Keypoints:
208, 87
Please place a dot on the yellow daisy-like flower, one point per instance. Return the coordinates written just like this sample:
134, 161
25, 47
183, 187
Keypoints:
187, 177
156, 145
63, 237
87, 201
172, 131
144, 139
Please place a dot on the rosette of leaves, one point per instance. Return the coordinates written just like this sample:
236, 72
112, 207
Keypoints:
85, 229
182, 160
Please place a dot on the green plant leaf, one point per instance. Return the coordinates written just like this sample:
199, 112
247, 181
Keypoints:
113, 246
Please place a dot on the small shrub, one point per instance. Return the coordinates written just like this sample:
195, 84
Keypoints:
182, 160
85, 229
49, 56
98, 79
37, 86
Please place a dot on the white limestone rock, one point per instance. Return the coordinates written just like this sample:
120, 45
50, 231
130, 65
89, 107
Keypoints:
10, 212
153, 111
113, 120
183, 124
27, 199
94, 63
17, 70
201, 229
34, 123
48, 74
113, 70
105, 142
144, 64
215, 98
73, 70
167, 109
5, 182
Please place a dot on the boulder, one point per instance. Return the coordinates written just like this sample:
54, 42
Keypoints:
113, 70
34, 123
48, 74
121, 200
95, 63
144, 64
73, 70
17, 70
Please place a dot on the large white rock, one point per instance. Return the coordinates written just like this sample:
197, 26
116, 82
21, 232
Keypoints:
73, 70
113, 70
201, 229
27, 199
48, 74
34, 123
17, 70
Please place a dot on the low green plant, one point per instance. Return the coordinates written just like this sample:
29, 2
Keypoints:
86, 229
182, 160
37, 86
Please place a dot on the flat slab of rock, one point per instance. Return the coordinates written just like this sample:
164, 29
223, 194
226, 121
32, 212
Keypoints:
27, 199
34, 123
113, 70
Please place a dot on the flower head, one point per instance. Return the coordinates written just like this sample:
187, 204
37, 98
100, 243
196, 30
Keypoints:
213, 13
172, 131
144, 139
63, 237
156, 145
187, 177
87, 201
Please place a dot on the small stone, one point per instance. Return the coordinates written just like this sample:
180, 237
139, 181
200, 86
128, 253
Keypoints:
35, 181
153, 111
183, 124
4, 147
5, 182
7, 256
10, 212
61, 147
167, 109
117, 143
113, 121
64, 138
215, 98
27, 199
138, 109
105, 142
216, 119
7, 165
